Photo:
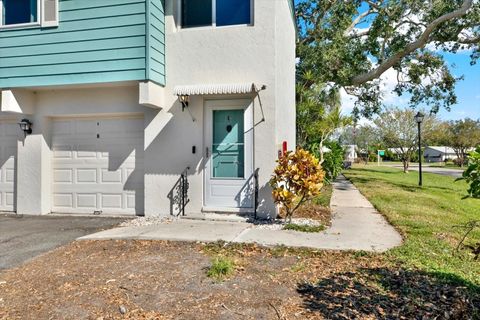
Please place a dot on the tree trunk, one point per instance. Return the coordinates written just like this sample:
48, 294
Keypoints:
320, 147
406, 165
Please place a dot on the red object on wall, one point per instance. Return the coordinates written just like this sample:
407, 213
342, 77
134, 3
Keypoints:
284, 147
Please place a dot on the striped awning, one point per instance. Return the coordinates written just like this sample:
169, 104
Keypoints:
205, 89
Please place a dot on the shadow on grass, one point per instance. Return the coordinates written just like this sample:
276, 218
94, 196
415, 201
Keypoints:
384, 293
403, 186
379, 171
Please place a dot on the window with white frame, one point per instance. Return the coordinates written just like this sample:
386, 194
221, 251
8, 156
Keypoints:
17, 13
201, 13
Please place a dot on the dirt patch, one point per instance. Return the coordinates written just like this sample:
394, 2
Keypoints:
164, 280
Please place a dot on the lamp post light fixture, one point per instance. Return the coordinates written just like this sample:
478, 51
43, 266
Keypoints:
26, 126
419, 119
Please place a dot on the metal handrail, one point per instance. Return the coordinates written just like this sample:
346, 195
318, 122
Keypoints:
184, 200
255, 177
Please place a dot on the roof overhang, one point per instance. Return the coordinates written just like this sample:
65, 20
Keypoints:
215, 89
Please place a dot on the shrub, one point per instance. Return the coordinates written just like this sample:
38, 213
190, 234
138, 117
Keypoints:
297, 178
221, 268
333, 161
472, 174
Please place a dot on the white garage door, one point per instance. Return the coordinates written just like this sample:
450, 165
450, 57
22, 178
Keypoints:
98, 165
8, 151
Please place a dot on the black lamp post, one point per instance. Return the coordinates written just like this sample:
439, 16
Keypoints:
419, 118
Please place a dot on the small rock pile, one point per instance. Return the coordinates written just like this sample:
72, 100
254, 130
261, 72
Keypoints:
146, 221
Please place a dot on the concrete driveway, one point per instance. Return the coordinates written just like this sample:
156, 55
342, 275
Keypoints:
24, 237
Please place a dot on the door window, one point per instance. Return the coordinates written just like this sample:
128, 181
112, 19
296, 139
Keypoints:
228, 149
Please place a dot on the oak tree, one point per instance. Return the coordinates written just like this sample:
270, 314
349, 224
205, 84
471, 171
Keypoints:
351, 44
398, 129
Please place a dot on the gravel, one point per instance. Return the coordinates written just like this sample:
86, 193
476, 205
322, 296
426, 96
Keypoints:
146, 221
256, 224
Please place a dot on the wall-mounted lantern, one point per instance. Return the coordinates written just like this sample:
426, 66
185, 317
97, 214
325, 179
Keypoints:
26, 126
184, 101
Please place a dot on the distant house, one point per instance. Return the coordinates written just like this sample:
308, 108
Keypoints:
439, 154
395, 151
350, 152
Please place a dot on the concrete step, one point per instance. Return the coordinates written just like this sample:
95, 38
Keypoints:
207, 216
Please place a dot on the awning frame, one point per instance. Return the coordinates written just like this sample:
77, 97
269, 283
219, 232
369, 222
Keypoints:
215, 89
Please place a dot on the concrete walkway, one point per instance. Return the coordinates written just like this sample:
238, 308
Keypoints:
356, 225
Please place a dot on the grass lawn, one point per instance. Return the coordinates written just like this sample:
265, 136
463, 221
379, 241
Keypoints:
428, 217
324, 198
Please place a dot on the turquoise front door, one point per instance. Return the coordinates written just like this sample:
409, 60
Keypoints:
229, 156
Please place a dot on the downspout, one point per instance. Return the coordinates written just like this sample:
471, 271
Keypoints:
256, 170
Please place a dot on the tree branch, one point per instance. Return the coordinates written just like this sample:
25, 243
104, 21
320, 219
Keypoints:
357, 21
475, 40
419, 43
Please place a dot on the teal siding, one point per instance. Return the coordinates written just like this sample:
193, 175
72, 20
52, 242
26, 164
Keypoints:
96, 41
156, 41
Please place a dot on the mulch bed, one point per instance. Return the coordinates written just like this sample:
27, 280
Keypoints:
165, 280
310, 210
315, 212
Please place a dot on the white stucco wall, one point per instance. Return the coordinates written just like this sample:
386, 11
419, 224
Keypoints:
263, 54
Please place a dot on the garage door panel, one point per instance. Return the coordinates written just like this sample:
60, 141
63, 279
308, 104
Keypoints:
9, 199
104, 170
62, 127
111, 176
62, 152
87, 200
63, 200
122, 127
86, 127
86, 176
82, 152
112, 201
10, 174
63, 176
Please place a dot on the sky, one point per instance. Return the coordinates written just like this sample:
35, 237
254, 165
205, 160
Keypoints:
467, 90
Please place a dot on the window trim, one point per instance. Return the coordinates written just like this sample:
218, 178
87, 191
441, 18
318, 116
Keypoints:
53, 23
214, 18
20, 25
40, 18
